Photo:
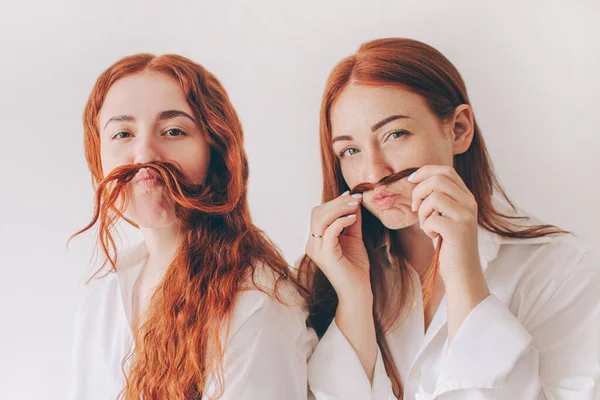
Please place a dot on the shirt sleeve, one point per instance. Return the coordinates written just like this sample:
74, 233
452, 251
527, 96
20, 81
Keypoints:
335, 371
267, 352
551, 351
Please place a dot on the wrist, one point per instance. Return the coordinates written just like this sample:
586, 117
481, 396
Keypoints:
469, 287
357, 298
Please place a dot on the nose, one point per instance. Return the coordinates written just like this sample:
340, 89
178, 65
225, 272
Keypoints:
146, 150
375, 168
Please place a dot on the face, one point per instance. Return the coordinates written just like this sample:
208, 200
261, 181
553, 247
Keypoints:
381, 130
145, 117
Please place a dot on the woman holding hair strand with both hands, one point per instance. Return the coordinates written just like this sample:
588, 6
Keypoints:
509, 308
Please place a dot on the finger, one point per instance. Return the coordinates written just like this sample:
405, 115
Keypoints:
436, 225
325, 214
437, 184
344, 198
355, 230
438, 203
331, 236
430, 170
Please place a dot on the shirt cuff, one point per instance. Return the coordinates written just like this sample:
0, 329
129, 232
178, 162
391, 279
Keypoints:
485, 349
335, 371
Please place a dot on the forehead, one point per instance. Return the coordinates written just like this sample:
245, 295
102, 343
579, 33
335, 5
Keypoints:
143, 95
360, 106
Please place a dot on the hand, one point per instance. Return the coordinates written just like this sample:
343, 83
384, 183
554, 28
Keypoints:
340, 253
446, 207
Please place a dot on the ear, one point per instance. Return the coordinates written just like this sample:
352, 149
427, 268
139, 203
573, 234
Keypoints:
463, 128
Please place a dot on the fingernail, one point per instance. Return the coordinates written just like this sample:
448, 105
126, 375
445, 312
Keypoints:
345, 193
353, 203
413, 207
352, 216
357, 195
411, 176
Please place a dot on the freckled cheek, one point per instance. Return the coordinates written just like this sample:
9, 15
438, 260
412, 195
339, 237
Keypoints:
352, 176
436, 154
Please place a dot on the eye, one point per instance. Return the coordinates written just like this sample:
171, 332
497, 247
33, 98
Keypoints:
350, 151
174, 132
396, 134
121, 135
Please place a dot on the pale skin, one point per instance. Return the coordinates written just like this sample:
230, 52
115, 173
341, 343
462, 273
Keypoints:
146, 117
378, 131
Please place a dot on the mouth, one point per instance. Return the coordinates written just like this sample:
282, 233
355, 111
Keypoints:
147, 177
384, 200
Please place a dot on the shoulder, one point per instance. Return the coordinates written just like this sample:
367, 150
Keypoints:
555, 253
270, 302
535, 270
552, 256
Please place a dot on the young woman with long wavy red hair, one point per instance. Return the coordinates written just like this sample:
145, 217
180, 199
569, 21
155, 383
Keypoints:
203, 307
426, 281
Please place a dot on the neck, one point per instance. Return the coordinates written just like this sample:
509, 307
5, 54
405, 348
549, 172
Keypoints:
162, 243
417, 247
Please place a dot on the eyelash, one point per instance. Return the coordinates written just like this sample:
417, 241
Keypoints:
181, 133
401, 131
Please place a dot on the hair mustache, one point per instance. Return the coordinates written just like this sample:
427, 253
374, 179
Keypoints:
385, 181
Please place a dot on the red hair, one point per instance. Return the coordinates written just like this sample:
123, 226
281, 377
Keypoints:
179, 343
420, 68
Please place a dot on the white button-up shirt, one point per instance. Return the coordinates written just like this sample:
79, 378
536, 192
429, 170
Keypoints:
537, 336
265, 354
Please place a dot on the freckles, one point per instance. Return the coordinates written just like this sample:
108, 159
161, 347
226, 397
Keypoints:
351, 176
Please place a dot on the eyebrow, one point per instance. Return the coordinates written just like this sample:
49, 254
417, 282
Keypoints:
387, 121
374, 128
341, 138
162, 116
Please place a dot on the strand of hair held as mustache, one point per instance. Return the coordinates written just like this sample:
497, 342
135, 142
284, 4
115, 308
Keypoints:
430, 274
187, 196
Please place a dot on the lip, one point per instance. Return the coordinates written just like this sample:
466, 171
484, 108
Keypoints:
384, 200
147, 176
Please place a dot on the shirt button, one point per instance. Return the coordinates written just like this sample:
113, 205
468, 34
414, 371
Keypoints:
414, 304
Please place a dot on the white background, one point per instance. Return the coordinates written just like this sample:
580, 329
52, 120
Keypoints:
531, 69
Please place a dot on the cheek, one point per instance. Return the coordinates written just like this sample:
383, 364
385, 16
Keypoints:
350, 173
107, 162
112, 157
412, 154
439, 152
195, 162
419, 151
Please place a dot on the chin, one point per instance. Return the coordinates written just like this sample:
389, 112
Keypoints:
154, 221
152, 210
396, 217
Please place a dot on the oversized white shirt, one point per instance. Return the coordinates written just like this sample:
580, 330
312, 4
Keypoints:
265, 355
537, 336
